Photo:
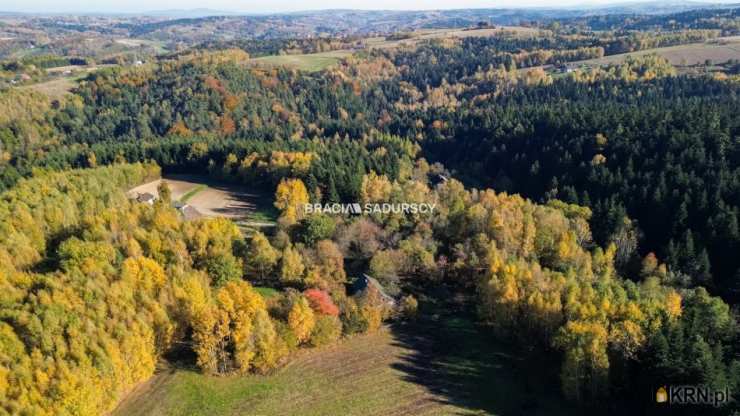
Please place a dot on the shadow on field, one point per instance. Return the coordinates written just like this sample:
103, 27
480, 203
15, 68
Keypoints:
462, 364
227, 199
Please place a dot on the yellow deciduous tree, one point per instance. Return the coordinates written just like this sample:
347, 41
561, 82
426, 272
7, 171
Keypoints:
586, 366
375, 188
144, 271
301, 319
261, 256
290, 198
328, 269
291, 266
231, 332
673, 304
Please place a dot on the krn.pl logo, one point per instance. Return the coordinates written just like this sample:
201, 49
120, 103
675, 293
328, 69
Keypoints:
693, 395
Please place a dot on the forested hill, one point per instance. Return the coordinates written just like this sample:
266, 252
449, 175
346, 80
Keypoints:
633, 141
359, 22
689, 19
665, 153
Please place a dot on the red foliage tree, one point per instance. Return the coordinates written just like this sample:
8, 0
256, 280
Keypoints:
321, 302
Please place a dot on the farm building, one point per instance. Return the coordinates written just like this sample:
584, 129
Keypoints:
146, 198
364, 283
188, 212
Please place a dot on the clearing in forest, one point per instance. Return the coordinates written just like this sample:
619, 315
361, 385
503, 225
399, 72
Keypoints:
717, 50
412, 38
216, 199
57, 88
440, 364
307, 62
313, 62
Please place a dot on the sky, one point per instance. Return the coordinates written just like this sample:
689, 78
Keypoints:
266, 6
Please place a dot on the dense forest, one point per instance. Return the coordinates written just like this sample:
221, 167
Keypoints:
725, 20
96, 288
583, 138
92, 300
590, 212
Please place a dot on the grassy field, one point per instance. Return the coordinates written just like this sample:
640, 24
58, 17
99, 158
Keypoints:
439, 365
191, 193
211, 198
420, 35
266, 292
56, 88
265, 213
158, 46
59, 87
319, 61
717, 51
308, 62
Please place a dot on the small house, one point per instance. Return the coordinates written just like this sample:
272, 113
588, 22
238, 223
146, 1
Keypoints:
364, 283
188, 212
146, 198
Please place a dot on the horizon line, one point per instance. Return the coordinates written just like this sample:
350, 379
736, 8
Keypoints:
227, 12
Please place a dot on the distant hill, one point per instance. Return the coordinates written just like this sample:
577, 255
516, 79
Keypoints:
188, 13
646, 7
196, 26
653, 7
363, 22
